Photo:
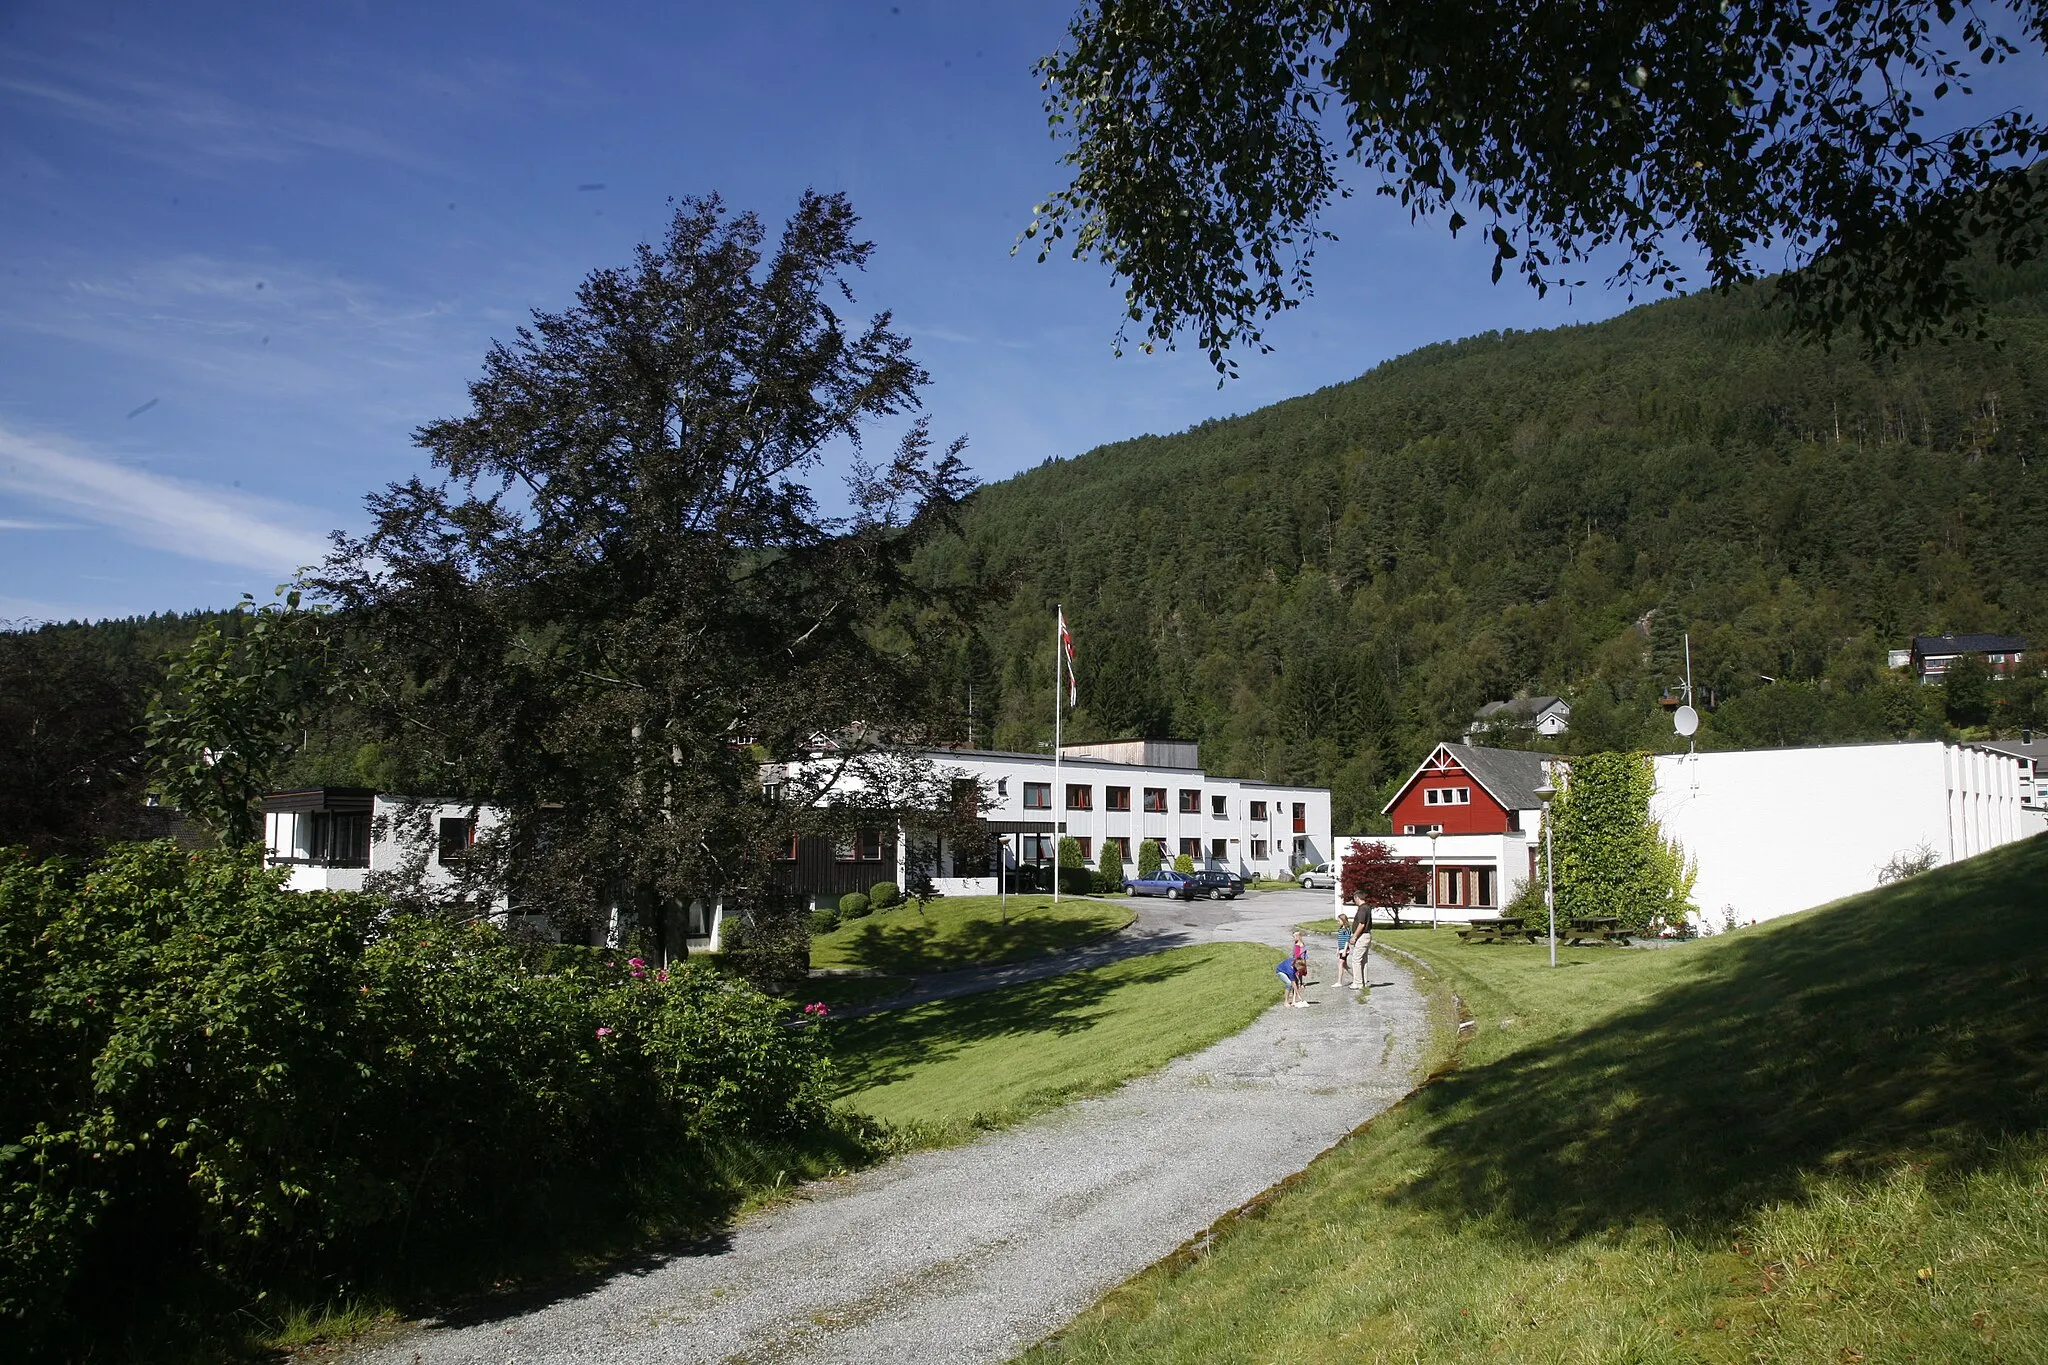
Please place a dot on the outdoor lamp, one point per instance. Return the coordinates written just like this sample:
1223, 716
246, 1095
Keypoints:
1544, 793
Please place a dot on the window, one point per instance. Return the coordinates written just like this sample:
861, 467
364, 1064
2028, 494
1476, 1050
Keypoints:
1219, 849
1080, 796
457, 838
1447, 796
1258, 850
338, 838
1116, 798
1190, 801
864, 847
1122, 844
1038, 796
1035, 848
1421, 829
1219, 806
1087, 847
1191, 847
788, 855
1155, 799
1258, 810
1002, 786
1300, 819
1485, 893
1449, 883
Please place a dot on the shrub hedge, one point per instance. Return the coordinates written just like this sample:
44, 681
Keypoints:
882, 895
209, 1074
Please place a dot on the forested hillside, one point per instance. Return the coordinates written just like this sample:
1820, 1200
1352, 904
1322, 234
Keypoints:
1322, 589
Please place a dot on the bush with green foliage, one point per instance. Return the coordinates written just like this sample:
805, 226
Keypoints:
824, 919
1148, 857
206, 1070
882, 895
1111, 866
1612, 860
853, 905
1183, 863
1077, 881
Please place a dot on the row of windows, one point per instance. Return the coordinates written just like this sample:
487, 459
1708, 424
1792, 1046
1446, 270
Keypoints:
1081, 796
1039, 848
1447, 796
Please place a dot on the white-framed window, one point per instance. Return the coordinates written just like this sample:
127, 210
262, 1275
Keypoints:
1447, 796
1258, 850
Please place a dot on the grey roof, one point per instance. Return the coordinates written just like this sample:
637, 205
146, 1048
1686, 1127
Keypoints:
1968, 644
1512, 775
2036, 749
1521, 708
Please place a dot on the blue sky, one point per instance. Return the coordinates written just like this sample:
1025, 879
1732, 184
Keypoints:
250, 248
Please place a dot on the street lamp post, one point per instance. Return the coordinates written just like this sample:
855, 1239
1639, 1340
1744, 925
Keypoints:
1545, 792
1434, 830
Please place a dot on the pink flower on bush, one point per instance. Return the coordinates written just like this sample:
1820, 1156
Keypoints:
604, 1033
661, 975
816, 1009
638, 966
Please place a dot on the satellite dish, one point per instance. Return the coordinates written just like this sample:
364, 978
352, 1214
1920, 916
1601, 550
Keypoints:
1686, 720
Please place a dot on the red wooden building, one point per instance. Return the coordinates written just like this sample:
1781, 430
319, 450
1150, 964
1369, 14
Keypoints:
1483, 807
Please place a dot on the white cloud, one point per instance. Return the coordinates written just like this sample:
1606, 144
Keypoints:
212, 524
16, 524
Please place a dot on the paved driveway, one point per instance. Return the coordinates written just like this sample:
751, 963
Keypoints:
973, 1253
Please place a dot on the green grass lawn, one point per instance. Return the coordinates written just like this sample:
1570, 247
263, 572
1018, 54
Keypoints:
946, 1069
965, 931
1748, 1148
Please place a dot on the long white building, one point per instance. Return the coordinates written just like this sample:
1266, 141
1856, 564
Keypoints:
1779, 830
1123, 792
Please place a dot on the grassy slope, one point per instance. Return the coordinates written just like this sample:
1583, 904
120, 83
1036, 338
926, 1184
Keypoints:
965, 931
1745, 1149
949, 1067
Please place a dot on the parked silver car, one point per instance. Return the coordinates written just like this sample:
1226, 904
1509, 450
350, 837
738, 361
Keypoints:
1321, 877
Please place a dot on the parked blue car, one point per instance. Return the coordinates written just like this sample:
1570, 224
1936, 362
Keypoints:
1164, 882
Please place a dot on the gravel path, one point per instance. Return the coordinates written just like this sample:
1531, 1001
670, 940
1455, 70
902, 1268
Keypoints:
973, 1253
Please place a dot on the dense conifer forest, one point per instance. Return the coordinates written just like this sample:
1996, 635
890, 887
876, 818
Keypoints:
1322, 589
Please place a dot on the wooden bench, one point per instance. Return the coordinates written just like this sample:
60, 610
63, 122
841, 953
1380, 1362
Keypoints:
1595, 930
1498, 929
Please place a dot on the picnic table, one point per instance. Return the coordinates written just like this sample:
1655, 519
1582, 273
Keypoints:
1498, 929
1595, 930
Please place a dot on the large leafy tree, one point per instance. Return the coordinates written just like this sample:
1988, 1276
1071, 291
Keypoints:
235, 706
621, 594
1207, 138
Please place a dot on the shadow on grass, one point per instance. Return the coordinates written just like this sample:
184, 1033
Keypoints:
1902, 1025
908, 946
877, 1049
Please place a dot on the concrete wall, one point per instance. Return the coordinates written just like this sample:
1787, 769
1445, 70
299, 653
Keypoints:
1779, 830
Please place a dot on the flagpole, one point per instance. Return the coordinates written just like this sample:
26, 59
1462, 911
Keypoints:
1058, 663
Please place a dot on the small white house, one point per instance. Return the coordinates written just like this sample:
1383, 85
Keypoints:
331, 838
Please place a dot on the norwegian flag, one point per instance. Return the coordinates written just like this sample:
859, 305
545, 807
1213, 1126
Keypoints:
1067, 647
